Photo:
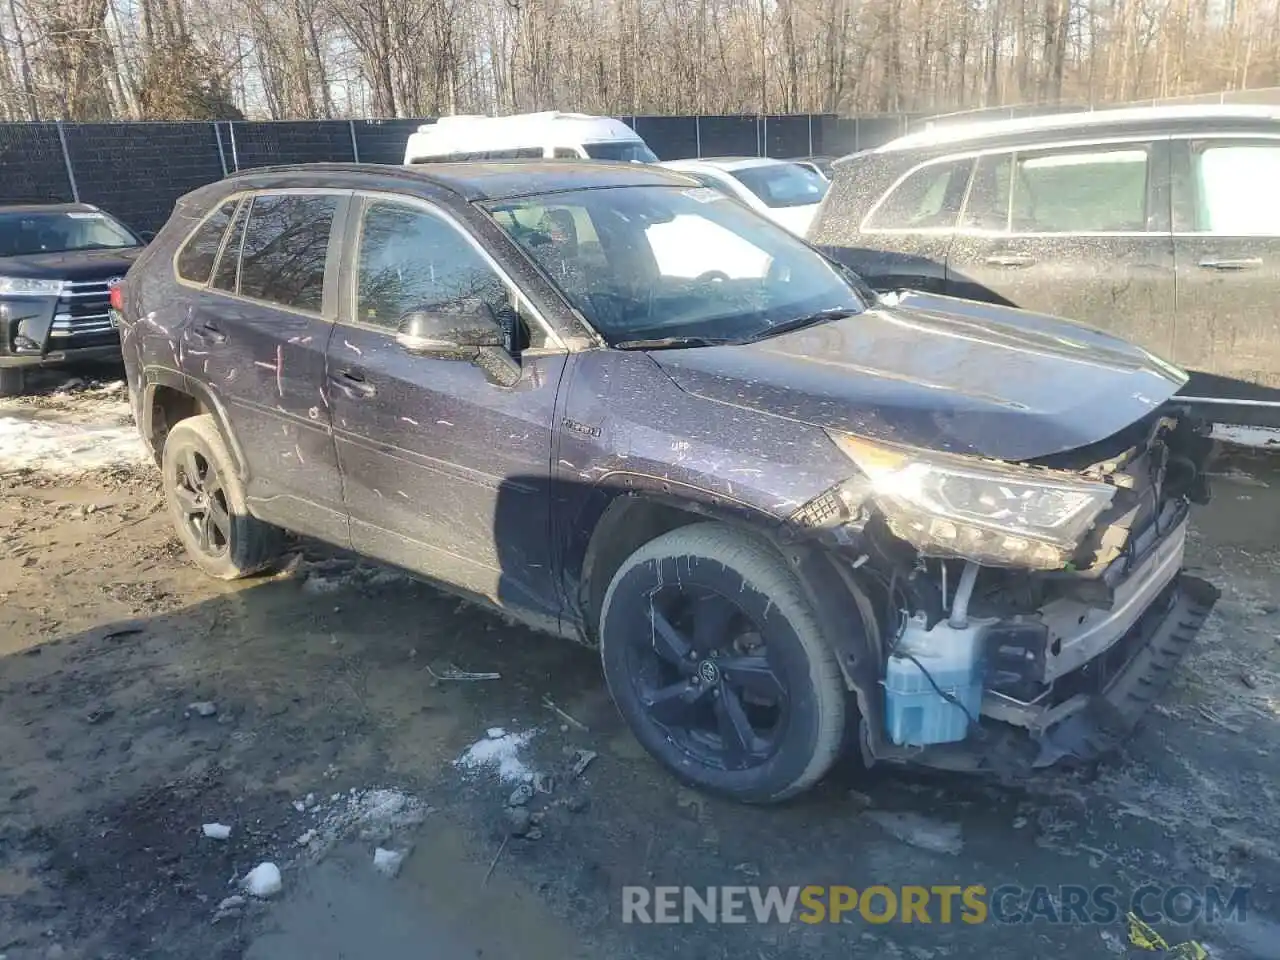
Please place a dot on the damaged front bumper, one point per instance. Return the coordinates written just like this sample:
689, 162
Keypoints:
1070, 683
1085, 727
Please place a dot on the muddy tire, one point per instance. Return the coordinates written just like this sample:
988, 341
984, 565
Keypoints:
207, 505
13, 381
717, 663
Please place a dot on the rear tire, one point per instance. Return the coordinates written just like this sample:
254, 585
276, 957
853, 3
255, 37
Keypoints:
207, 505
13, 381
717, 662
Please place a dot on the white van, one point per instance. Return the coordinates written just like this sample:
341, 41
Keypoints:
526, 136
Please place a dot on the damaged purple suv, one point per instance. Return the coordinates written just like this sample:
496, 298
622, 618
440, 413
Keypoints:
795, 518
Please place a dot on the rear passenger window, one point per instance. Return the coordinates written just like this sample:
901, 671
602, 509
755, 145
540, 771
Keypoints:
285, 246
928, 198
1102, 190
566, 153
1228, 199
195, 259
228, 270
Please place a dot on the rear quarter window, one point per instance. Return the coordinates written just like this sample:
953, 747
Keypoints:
196, 257
286, 242
928, 198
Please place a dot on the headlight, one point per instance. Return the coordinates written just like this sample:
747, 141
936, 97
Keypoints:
993, 512
26, 287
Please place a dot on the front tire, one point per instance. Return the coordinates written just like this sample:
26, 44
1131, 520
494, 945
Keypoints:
716, 661
207, 505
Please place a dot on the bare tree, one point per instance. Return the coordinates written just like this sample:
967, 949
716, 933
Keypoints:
99, 59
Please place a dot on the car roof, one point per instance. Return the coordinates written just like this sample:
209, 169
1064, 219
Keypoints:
470, 180
1086, 120
583, 125
48, 208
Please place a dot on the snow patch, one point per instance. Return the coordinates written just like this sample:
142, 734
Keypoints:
500, 752
58, 446
263, 881
1264, 437
388, 862
373, 813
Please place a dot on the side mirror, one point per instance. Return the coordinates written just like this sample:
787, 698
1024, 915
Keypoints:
451, 331
146, 236
460, 330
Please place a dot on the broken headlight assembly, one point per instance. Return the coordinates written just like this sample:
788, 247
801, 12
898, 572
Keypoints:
995, 513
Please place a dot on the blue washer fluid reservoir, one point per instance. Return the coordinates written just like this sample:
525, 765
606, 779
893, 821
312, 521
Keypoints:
915, 714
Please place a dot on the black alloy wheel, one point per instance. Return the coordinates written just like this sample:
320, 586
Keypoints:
705, 676
716, 660
199, 491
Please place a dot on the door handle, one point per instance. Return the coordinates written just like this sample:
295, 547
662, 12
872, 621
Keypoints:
1010, 260
353, 385
1243, 263
207, 332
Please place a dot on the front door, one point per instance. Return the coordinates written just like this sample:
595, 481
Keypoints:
1227, 245
445, 471
257, 337
1080, 232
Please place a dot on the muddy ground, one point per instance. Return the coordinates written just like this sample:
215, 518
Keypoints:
337, 727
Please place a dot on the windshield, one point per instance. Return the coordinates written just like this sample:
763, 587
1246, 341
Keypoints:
670, 261
783, 184
628, 151
61, 231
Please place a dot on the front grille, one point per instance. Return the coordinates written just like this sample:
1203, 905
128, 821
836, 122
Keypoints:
83, 317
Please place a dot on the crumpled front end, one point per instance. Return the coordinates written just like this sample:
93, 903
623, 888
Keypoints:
1028, 613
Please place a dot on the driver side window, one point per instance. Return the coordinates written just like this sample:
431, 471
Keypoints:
410, 259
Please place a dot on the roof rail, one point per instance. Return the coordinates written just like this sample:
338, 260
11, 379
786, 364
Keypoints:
1011, 112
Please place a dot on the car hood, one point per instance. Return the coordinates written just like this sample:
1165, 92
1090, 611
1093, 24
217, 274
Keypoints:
942, 374
71, 265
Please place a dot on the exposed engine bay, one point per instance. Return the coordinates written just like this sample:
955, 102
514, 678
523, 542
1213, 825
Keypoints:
1048, 622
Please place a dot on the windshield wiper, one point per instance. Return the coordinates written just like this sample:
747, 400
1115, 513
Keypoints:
672, 343
799, 323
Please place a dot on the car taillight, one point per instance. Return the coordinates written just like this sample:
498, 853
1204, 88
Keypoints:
117, 298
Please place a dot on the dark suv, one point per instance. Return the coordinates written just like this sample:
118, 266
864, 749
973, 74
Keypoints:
1157, 224
57, 264
628, 410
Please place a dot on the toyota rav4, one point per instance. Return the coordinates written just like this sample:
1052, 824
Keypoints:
792, 516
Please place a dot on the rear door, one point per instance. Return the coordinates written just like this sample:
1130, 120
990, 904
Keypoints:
445, 471
256, 338
1227, 245
1078, 231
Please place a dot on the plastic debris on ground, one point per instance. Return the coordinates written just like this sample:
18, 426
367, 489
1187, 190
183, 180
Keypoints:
1144, 937
932, 835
